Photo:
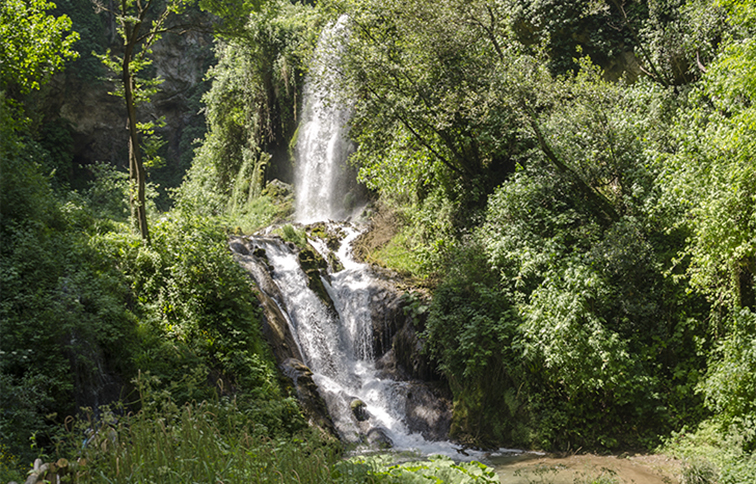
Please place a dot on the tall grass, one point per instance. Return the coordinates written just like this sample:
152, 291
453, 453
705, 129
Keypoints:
213, 442
217, 442
208, 442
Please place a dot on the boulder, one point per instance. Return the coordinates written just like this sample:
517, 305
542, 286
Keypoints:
313, 405
359, 410
377, 437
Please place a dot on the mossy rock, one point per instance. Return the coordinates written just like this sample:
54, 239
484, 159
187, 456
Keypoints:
313, 266
330, 235
359, 410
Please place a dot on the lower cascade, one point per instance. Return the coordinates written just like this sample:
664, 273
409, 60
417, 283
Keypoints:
330, 305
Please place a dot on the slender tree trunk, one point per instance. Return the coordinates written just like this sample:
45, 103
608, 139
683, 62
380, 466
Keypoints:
136, 168
744, 276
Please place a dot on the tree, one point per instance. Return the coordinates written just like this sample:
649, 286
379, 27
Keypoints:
712, 173
429, 110
140, 24
34, 44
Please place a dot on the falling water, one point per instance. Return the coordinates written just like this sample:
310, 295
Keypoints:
337, 343
322, 181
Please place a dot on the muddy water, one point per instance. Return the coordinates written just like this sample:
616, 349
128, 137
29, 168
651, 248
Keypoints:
533, 468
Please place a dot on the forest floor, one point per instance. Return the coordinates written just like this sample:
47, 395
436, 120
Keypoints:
534, 468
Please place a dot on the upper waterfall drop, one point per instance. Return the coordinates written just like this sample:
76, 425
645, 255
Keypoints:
323, 181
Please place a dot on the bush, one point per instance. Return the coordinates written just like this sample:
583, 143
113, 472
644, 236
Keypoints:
471, 332
729, 386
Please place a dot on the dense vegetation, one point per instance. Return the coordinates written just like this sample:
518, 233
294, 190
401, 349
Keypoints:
575, 188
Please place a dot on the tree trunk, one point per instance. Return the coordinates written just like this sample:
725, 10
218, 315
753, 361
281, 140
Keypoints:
745, 281
136, 168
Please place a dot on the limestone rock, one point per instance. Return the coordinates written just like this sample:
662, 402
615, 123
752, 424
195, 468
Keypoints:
309, 397
377, 437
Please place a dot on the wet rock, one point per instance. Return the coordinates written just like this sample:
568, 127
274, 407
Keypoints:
254, 260
428, 410
387, 316
377, 437
409, 354
275, 326
330, 234
314, 266
313, 406
359, 410
237, 245
388, 367
394, 329
276, 330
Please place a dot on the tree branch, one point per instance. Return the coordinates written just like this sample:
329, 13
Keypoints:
608, 213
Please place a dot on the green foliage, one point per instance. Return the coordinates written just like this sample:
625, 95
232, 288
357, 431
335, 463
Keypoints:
234, 14
85, 305
699, 472
430, 112
9, 466
108, 193
398, 255
295, 235
717, 190
559, 28
251, 111
35, 45
93, 38
216, 440
712, 455
194, 442
195, 305
590, 244
730, 385
576, 283
437, 469
471, 332
63, 305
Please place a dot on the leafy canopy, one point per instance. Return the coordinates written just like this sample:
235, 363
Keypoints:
35, 45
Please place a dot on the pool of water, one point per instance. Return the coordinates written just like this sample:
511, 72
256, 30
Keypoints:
538, 468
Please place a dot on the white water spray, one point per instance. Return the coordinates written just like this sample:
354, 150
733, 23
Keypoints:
322, 184
338, 346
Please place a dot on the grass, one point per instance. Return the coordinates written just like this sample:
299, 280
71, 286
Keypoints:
397, 255
214, 442
260, 212
713, 455
198, 442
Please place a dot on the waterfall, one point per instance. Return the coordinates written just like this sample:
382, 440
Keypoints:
367, 407
322, 183
333, 327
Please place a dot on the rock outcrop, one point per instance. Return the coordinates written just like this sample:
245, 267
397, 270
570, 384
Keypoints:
276, 330
397, 347
97, 120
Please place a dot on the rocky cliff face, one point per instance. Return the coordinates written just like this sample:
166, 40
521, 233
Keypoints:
97, 119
